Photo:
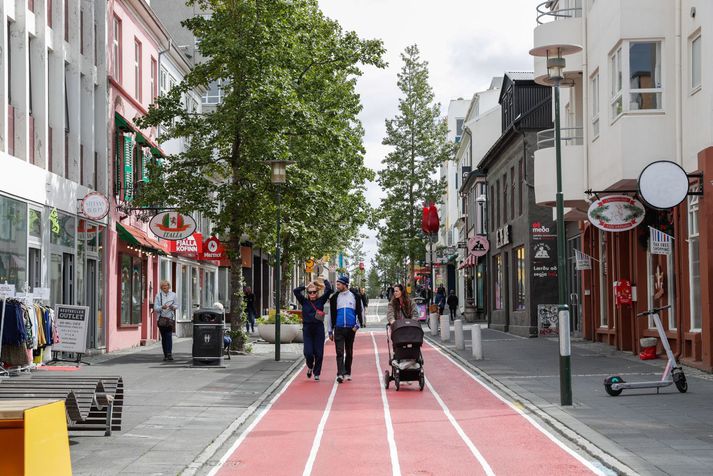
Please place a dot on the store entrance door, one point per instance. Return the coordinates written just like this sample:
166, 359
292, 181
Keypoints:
91, 302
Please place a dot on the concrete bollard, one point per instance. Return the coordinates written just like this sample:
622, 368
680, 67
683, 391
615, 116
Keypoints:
445, 328
433, 321
458, 328
476, 342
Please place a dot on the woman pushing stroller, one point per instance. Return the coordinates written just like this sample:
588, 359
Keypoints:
401, 306
405, 334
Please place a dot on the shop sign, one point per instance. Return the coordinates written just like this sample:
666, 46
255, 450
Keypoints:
72, 328
54, 222
309, 265
42, 294
616, 213
190, 247
213, 249
95, 206
172, 226
478, 245
7, 291
502, 236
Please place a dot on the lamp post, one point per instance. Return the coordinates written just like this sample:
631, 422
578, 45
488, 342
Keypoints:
555, 67
279, 177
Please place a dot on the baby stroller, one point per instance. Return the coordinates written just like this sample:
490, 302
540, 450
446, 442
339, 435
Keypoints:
406, 336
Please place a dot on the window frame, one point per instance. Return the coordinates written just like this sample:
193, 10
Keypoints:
655, 90
595, 83
693, 230
695, 38
117, 52
519, 297
138, 69
620, 68
616, 91
154, 69
134, 321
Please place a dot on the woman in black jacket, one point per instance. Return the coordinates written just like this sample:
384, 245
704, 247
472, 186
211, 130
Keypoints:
313, 324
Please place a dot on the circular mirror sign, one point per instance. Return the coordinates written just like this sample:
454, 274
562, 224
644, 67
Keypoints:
663, 184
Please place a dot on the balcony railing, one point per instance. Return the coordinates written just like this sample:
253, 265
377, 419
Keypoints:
546, 14
568, 136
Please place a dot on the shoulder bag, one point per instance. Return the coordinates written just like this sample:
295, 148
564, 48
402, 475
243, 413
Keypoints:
318, 314
163, 322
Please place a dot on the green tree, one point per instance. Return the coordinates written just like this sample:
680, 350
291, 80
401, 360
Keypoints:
289, 76
373, 283
418, 138
355, 254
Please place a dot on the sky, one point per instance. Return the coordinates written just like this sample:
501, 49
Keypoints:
465, 42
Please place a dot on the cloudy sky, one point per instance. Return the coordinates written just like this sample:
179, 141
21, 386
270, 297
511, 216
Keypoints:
466, 43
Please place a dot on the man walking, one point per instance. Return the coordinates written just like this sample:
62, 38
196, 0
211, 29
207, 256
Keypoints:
452, 304
346, 312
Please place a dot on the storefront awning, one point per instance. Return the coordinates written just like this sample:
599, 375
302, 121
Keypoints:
469, 262
125, 125
137, 238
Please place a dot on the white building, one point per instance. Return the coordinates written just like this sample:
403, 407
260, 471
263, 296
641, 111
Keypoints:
639, 91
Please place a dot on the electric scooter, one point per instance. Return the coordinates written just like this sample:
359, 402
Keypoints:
672, 374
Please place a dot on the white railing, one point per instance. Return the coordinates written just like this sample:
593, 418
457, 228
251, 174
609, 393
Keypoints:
568, 136
545, 13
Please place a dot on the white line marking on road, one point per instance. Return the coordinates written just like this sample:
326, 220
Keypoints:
469, 443
250, 428
320, 431
395, 466
549, 435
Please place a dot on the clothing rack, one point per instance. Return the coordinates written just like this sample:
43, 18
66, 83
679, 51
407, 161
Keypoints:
4, 292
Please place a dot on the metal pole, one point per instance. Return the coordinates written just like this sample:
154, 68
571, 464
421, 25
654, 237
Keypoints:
565, 360
277, 281
433, 283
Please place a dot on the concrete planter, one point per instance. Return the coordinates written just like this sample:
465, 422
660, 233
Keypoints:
299, 338
287, 332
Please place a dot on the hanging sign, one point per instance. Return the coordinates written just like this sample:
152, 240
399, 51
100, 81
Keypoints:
42, 294
172, 226
309, 265
478, 245
660, 243
7, 290
616, 213
94, 206
213, 249
582, 261
190, 247
72, 328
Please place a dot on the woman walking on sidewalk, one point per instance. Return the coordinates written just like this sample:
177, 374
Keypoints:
165, 307
401, 306
313, 324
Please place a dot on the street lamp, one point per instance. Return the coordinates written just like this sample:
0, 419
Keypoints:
279, 177
481, 203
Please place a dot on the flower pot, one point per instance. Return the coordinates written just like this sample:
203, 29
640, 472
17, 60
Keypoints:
299, 337
287, 332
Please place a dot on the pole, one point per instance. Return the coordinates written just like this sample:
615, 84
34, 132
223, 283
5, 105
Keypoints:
433, 283
565, 359
277, 281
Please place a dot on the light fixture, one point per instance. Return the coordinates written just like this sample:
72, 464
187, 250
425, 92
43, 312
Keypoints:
481, 198
279, 170
555, 65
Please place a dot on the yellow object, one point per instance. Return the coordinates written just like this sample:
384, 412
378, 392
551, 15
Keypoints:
309, 265
33, 438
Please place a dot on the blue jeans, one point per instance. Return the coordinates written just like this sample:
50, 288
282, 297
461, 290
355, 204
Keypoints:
250, 322
166, 340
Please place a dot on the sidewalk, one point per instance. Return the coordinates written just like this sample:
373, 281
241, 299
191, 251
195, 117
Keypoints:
173, 412
669, 433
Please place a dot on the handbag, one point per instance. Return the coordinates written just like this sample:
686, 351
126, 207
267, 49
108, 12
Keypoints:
163, 321
318, 314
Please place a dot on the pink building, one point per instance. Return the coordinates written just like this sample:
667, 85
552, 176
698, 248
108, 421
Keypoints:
135, 41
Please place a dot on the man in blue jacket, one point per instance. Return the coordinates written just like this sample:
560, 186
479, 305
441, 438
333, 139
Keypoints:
345, 308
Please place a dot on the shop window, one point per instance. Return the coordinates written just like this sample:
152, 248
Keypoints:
131, 289
661, 287
62, 229
13, 241
498, 291
694, 263
520, 279
35, 224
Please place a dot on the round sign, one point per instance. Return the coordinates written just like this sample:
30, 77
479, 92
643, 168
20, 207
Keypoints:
616, 213
663, 184
95, 206
212, 246
172, 226
478, 245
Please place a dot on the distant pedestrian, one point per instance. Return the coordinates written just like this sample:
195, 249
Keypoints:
452, 304
346, 316
390, 293
364, 298
441, 299
313, 324
249, 309
165, 304
401, 306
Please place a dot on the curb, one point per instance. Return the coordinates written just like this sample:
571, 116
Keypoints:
606, 459
233, 428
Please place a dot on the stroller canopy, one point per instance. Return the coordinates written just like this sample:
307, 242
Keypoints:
406, 331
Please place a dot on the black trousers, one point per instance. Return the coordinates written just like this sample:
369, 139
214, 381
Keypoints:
166, 340
313, 335
344, 342
453, 312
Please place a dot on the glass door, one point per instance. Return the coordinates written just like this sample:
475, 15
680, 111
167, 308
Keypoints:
91, 302
574, 286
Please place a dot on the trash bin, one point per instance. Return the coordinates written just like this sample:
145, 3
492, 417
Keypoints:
208, 330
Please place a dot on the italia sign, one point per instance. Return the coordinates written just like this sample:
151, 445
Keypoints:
172, 226
616, 213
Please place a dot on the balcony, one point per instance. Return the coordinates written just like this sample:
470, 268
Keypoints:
560, 29
573, 167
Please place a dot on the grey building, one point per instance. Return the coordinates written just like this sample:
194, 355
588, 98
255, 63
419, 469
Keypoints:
522, 260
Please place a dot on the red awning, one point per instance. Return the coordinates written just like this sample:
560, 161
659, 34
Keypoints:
469, 262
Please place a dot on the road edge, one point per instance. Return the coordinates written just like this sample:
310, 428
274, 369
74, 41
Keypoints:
234, 428
555, 423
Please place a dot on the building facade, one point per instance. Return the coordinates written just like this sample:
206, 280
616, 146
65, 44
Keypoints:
637, 93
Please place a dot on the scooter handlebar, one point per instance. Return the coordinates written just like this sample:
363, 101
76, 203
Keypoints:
652, 311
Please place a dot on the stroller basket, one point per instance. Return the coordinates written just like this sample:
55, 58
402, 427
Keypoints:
405, 332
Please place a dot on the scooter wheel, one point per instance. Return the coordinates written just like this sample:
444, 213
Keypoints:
387, 379
608, 385
680, 380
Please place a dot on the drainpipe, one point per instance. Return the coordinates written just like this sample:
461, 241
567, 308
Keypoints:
678, 100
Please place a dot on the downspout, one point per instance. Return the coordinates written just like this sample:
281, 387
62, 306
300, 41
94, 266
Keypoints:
678, 91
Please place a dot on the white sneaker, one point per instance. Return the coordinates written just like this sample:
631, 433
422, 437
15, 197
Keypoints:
340, 379
348, 377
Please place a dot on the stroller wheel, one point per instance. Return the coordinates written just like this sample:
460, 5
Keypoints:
397, 383
387, 379
421, 382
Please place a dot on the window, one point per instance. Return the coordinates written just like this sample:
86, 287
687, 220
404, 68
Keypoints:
459, 129
214, 95
492, 208
66, 20
81, 32
644, 75
696, 62
498, 291
137, 69
116, 49
616, 84
694, 263
131, 290
153, 79
520, 282
520, 181
595, 105
162, 79
497, 203
49, 13
505, 197
512, 192
13, 241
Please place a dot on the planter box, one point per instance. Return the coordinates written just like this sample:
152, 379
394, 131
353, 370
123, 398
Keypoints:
288, 332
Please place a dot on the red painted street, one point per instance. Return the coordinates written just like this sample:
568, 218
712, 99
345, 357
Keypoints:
456, 425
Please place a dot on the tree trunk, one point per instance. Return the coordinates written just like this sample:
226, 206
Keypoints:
236, 265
